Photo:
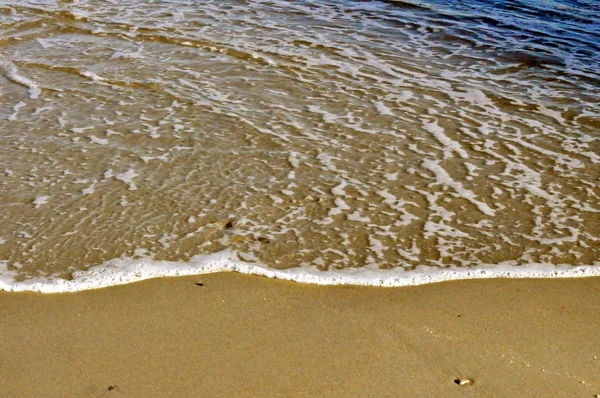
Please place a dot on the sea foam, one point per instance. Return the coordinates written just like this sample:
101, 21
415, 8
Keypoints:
126, 270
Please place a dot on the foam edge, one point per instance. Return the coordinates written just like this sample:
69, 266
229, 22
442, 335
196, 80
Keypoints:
124, 271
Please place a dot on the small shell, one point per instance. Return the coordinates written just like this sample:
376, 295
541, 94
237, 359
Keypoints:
463, 382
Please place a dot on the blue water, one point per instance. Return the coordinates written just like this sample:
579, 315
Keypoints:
559, 35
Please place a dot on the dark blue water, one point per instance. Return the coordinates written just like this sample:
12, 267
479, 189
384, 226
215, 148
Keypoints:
559, 35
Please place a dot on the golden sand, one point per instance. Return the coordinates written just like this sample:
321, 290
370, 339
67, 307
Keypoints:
239, 335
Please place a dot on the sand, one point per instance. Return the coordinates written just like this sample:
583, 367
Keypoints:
248, 336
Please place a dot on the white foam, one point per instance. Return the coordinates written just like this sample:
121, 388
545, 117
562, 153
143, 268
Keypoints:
40, 200
444, 178
551, 113
339, 189
164, 157
96, 140
382, 109
293, 159
340, 207
123, 271
356, 216
276, 199
92, 75
475, 97
89, 190
43, 42
449, 144
13, 75
16, 108
127, 177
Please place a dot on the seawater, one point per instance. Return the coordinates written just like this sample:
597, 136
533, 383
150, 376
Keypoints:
373, 142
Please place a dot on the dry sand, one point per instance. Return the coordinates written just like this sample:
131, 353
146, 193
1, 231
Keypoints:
240, 336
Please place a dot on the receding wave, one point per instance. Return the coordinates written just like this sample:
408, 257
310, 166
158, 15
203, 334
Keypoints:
372, 142
124, 271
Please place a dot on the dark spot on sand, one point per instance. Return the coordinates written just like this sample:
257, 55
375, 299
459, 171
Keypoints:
263, 240
457, 381
229, 225
199, 284
112, 388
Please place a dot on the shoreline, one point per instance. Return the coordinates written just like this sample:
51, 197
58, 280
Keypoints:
122, 271
241, 335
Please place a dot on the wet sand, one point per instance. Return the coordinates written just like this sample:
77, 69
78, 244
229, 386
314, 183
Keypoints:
239, 335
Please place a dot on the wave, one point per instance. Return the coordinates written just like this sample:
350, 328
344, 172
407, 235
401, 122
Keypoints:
127, 270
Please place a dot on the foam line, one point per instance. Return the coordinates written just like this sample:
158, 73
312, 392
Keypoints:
13, 75
123, 271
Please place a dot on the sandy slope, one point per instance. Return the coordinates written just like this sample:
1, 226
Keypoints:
240, 335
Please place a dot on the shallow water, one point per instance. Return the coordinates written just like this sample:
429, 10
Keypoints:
330, 134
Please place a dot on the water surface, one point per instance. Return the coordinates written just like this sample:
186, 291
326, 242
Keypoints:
330, 134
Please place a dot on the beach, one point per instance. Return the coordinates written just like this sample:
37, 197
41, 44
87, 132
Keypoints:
230, 334
330, 198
